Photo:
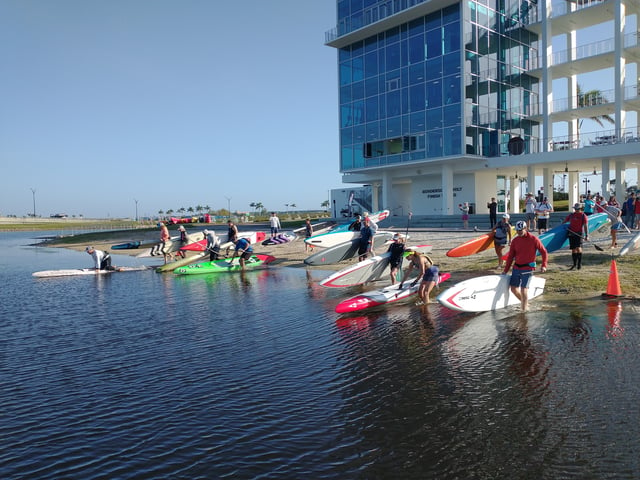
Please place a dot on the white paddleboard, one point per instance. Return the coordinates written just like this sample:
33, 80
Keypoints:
490, 292
632, 245
341, 234
84, 271
368, 270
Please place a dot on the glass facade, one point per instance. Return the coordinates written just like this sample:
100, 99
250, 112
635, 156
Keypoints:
435, 86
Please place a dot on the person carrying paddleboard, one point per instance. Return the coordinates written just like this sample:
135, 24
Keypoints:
243, 245
213, 244
428, 273
501, 237
578, 224
366, 240
523, 256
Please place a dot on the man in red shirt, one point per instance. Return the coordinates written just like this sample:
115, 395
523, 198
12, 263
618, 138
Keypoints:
523, 256
578, 224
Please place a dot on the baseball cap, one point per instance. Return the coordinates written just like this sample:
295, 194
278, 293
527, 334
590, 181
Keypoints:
506, 215
521, 225
577, 206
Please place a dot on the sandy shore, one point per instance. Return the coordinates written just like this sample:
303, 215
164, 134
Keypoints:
590, 281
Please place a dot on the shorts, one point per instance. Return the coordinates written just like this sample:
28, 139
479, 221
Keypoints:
501, 242
465, 216
575, 240
617, 226
529, 216
364, 248
520, 278
246, 255
431, 275
542, 223
395, 262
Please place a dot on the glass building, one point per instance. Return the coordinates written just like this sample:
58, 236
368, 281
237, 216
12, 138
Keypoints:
447, 101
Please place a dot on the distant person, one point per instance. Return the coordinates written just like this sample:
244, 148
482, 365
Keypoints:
492, 205
636, 209
184, 240
274, 222
616, 224
530, 211
165, 240
101, 259
428, 274
232, 234
245, 250
589, 205
366, 240
464, 208
578, 225
396, 250
522, 255
356, 225
213, 245
543, 213
629, 210
501, 237
308, 233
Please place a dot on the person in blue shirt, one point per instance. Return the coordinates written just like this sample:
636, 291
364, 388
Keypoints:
366, 240
243, 245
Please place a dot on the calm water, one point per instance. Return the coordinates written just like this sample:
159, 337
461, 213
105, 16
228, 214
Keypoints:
141, 375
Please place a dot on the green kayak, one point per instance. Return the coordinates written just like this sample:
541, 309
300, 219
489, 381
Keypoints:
221, 266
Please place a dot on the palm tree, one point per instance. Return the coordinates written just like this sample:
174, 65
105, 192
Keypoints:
589, 98
325, 205
160, 213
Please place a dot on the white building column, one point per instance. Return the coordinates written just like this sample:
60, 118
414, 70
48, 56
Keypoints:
621, 178
547, 183
514, 195
386, 192
619, 68
606, 178
546, 51
573, 189
447, 190
531, 179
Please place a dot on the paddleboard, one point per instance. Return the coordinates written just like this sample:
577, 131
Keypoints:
125, 246
558, 237
280, 238
632, 245
385, 296
490, 292
85, 271
171, 266
223, 266
344, 251
475, 245
317, 227
341, 234
201, 245
368, 270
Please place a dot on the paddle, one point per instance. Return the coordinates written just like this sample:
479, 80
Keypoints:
598, 247
612, 217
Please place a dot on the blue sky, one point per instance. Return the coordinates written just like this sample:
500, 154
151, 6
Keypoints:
171, 103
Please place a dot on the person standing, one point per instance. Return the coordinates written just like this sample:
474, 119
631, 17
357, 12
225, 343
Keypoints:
428, 274
522, 255
589, 205
464, 208
501, 237
629, 210
184, 240
213, 244
366, 240
101, 259
543, 211
493, 212
308, 233
232, 234
243, 245
356, 225
530, 211
636, 209
396, 250
274, 222
616, 224
578, 224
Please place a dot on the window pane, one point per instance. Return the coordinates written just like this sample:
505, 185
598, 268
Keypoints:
434, 94
393, 56
434, 43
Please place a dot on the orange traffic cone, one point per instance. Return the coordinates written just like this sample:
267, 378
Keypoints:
613, 286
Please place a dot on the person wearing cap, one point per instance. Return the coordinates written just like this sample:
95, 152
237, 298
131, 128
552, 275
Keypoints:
232, 234
543, 211
578, 230
522, 255
308, 233
428, 274
184, 239
213, 244
356, 225
396, 251
530, 211
101, 259
501, 237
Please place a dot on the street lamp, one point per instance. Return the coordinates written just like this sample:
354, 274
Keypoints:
33, 191
136, 208
228, 207
586, 182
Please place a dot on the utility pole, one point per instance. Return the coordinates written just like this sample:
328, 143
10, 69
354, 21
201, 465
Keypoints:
228, 207
33, 191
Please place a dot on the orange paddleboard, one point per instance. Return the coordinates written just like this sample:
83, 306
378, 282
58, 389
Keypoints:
473, 246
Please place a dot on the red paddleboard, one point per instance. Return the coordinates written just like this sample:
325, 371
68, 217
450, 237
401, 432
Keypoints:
475, 245
253, 237
387, 295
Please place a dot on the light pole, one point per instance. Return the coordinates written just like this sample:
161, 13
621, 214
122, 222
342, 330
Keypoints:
33, 191
586, 185
228, 207
136, 208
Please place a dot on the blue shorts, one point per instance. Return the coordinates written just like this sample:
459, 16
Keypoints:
431, 275
520, 278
